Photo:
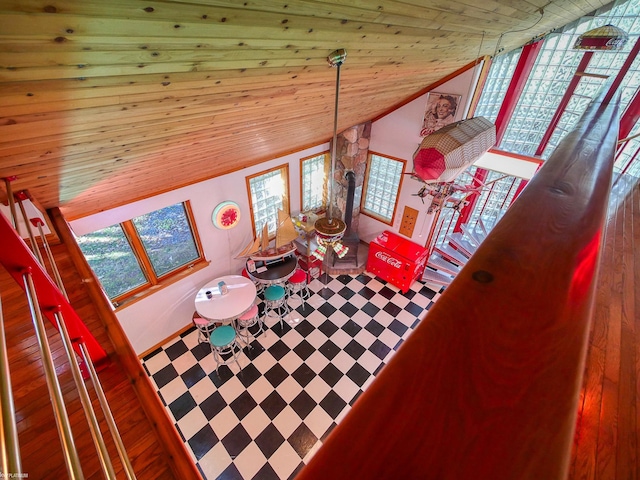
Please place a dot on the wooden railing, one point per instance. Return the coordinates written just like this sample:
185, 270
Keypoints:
487, 385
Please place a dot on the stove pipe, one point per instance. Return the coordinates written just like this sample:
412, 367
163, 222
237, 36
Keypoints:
348, 214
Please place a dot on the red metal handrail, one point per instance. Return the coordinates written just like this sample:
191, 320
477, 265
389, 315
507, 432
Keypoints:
16, 258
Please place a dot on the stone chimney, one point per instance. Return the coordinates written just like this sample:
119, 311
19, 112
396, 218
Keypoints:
352, 150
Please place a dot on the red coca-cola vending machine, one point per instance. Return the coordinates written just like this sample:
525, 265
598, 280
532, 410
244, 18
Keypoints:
397, 260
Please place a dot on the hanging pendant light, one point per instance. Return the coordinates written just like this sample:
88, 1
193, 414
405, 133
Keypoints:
329, 230
606, 37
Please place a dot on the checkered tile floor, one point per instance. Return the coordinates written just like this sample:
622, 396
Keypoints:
297, 381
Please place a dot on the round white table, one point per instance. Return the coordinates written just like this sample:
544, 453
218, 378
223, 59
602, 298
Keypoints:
240, 297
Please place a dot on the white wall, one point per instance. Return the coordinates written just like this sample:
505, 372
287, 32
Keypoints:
158, 316
398, 135
32, 212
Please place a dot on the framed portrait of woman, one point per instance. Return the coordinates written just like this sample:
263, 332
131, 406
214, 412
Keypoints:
440, 111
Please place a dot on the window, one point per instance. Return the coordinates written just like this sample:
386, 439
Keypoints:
134, 255
381, 186
313, 182
551, 77
268, 192
495, 88
627, 158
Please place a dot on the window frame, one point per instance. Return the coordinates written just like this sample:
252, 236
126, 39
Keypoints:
137, 248
365, 186
327, 170
284, 168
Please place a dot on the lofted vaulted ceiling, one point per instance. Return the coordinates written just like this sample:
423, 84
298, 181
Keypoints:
106, 102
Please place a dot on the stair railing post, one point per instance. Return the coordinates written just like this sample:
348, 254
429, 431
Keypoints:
104, 404
69, 450
92, 420
38, 222
34, 244
430, 243
11, 201
8, 430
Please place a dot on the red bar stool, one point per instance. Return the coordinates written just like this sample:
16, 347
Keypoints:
297, 286
259, 285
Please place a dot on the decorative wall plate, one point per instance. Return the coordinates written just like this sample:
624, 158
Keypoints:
226, 215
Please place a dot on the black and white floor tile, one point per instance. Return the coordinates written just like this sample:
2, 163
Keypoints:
297, 381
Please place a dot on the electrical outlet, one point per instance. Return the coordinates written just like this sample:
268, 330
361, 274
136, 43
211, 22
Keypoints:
409, 219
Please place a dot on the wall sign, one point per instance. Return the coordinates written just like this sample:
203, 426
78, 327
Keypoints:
441, 110
226, 215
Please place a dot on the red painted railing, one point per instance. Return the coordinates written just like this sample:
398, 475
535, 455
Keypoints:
16, 258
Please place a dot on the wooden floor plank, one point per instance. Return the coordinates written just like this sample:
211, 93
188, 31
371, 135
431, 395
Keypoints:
607, 434
626, 411
606, 442
586, 438
633, 290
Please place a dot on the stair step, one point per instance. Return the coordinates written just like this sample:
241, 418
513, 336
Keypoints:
437, 278
437, 262
482, 226
473, 235
486, 227
463, 245
451, 254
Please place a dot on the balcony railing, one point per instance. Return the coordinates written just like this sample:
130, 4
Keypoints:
47, 298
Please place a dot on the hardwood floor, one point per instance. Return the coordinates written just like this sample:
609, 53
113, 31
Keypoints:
606, 441
41, 453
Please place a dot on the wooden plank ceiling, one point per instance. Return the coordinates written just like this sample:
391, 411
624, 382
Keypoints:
106, 102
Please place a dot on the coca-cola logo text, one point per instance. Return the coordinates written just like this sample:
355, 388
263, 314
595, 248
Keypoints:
394, 262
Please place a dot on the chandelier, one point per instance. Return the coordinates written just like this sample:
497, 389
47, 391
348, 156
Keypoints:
605, 37
329, 230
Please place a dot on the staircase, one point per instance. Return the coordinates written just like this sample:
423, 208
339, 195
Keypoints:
448, 258
53, 372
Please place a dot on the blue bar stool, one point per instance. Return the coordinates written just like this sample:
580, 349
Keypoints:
275, 299
224, 341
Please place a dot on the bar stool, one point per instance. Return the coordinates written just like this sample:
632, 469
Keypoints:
259, 285
247, 320
224, 341
204, 326
297, 286
275, 299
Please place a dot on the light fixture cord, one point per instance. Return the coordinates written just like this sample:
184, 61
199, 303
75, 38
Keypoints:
333, 146
540, 11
